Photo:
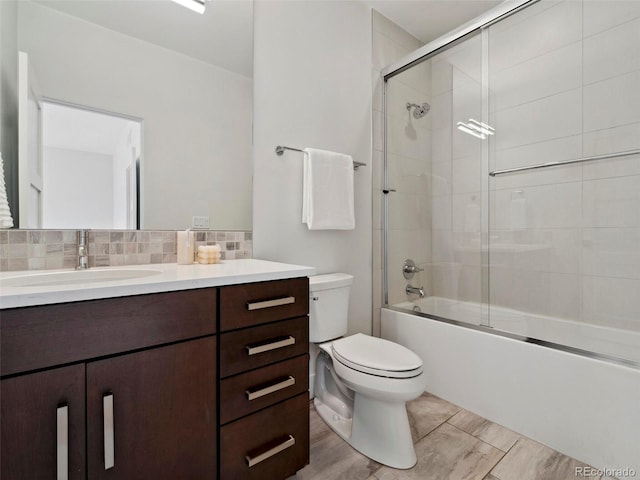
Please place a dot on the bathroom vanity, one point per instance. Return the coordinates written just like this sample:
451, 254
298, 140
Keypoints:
195, 372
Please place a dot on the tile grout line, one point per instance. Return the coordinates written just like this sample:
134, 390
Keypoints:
504, 456
438, 426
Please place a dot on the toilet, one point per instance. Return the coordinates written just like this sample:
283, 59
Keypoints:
362, 383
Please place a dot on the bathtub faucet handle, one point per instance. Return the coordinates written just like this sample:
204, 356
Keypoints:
409, 269
411, 290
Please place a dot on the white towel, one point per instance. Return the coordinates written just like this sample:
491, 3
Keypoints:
5, 214
327, 191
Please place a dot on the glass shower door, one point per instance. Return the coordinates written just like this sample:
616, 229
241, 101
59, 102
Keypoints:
434, 158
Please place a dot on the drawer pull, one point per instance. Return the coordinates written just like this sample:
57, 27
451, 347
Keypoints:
289, 442
266, 347
252, 395
107, 411
276, 302
62, 450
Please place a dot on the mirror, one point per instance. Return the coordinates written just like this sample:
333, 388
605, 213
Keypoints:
103, 152
188, 79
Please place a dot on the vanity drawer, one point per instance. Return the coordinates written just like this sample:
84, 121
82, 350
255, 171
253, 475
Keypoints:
256, 303
48, 335
256, 347
270, 444
252, 391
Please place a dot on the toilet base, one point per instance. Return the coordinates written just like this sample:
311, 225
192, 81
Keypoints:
338, 423
380, 430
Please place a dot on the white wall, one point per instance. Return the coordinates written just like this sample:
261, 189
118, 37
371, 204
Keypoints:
197, 117
312, 88
78, 189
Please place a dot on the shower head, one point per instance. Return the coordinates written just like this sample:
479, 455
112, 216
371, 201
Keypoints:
419, 110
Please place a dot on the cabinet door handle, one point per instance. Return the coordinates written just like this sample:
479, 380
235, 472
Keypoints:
271, 345
289, 442
253, 394
107, 410
276, 302
62, 436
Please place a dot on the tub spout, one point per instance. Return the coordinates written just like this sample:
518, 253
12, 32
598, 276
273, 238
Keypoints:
411, 290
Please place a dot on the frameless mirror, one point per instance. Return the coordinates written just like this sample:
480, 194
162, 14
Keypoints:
185, 78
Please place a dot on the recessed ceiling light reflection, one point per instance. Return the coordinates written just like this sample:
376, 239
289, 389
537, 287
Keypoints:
476, 128
481, 127
195, 5
464, 128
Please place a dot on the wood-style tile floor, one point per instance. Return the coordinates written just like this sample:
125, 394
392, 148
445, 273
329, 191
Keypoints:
451, 444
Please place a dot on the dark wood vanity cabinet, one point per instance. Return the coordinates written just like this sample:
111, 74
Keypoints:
144, 366
31, 407
264, 379
163, 413
194, 384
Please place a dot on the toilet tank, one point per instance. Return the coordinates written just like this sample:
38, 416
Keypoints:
328, 306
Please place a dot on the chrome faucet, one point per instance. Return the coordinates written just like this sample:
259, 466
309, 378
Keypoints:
409, 269
411, 290
83, 249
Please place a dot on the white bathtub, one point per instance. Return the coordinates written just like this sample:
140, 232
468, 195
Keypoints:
612, 342
584, 407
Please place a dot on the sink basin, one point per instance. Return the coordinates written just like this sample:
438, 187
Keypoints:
73, 277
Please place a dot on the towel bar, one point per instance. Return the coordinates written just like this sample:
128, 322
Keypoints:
566, 162
281, 148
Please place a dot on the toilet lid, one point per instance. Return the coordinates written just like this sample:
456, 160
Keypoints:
377, 356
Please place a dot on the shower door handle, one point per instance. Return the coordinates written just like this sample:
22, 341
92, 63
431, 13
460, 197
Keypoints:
387, 190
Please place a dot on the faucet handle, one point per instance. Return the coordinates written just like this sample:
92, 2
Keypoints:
409, 269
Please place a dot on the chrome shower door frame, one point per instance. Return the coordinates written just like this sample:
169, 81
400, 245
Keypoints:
480, 23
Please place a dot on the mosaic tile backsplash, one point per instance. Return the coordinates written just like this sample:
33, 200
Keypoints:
51, 249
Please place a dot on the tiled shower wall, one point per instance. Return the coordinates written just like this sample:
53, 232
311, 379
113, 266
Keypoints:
51, 249
456, 180
565, 241
390, 43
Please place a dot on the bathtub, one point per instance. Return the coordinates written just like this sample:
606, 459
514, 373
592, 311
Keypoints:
583, 406
614, 344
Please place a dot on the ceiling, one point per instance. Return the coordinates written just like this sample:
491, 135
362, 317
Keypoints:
223, 35
429, 19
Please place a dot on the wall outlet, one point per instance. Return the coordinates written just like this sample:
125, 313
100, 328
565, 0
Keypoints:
199, 222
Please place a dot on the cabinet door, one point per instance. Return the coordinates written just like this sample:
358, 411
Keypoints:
43, 425
152, 414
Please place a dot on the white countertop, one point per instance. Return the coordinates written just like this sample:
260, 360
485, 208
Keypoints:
170, 277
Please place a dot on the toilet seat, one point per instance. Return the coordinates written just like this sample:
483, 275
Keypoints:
376, 356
